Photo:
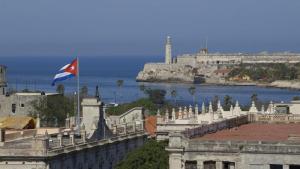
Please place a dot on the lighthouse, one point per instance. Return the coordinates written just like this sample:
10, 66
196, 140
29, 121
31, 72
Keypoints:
168, 56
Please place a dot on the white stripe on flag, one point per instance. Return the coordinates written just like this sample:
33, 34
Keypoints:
64, 67
59, 75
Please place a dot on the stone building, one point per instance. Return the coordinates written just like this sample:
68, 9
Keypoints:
87, 147
182, 118
20, 104
189, 117
253, 141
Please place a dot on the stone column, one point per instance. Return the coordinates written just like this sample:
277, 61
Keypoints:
167, 116
175, 161
115, 130
200, 164
219, 165
125, 128
190, 115
72, 138
185, 113
46, 140
83, 135
173, 114
38, 121
180, 113
285, 166
59, 138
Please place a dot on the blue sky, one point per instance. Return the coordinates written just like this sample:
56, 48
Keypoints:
139, 27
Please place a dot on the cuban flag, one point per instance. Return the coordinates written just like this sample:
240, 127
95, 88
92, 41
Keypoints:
66, 72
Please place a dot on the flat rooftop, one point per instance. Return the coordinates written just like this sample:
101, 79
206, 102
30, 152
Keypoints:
255, 132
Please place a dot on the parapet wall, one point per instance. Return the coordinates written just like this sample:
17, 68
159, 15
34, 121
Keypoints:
38, 152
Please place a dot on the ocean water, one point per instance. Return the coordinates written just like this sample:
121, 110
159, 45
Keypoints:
36, 73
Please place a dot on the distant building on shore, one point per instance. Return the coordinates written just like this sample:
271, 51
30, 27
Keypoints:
193, 68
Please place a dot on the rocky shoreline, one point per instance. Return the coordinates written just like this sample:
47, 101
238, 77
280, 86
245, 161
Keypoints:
176, 73
294, 85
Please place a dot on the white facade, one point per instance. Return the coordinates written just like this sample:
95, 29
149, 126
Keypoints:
91, 110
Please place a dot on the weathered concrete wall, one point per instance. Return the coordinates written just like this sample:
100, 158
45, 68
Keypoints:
99, 157
240, 154
22, 104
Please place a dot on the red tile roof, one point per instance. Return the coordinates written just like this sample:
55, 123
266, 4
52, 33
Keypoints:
255, 132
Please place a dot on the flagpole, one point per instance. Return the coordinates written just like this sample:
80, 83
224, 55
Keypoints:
78, 97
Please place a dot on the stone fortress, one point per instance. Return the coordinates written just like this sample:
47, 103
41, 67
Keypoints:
200, 67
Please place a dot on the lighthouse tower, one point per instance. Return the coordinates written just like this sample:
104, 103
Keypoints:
168, 56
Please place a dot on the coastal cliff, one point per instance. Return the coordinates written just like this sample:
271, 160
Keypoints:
155, 72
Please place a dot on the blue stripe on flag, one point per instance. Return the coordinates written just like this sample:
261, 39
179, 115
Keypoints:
62, 78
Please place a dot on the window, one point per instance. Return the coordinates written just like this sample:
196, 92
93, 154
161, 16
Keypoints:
228, 165
191, 165
294, 166
13, 108
22, 105
275, 166
209, 165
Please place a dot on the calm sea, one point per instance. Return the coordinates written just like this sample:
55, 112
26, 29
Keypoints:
36, 73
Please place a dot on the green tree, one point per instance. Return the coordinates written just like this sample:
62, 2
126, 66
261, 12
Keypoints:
174, 95
60, 89
152, 155
254, 97
296, 98
84, 91
215, 102
192, 91
227, 102
142, 88
120, 84
53, 110
157, 96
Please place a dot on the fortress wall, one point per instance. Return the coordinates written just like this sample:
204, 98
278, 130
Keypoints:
238, 58
159, 66
186, 60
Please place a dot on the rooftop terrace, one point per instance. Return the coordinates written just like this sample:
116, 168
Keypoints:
256, 132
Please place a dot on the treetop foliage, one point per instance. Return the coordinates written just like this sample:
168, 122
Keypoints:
152, 155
